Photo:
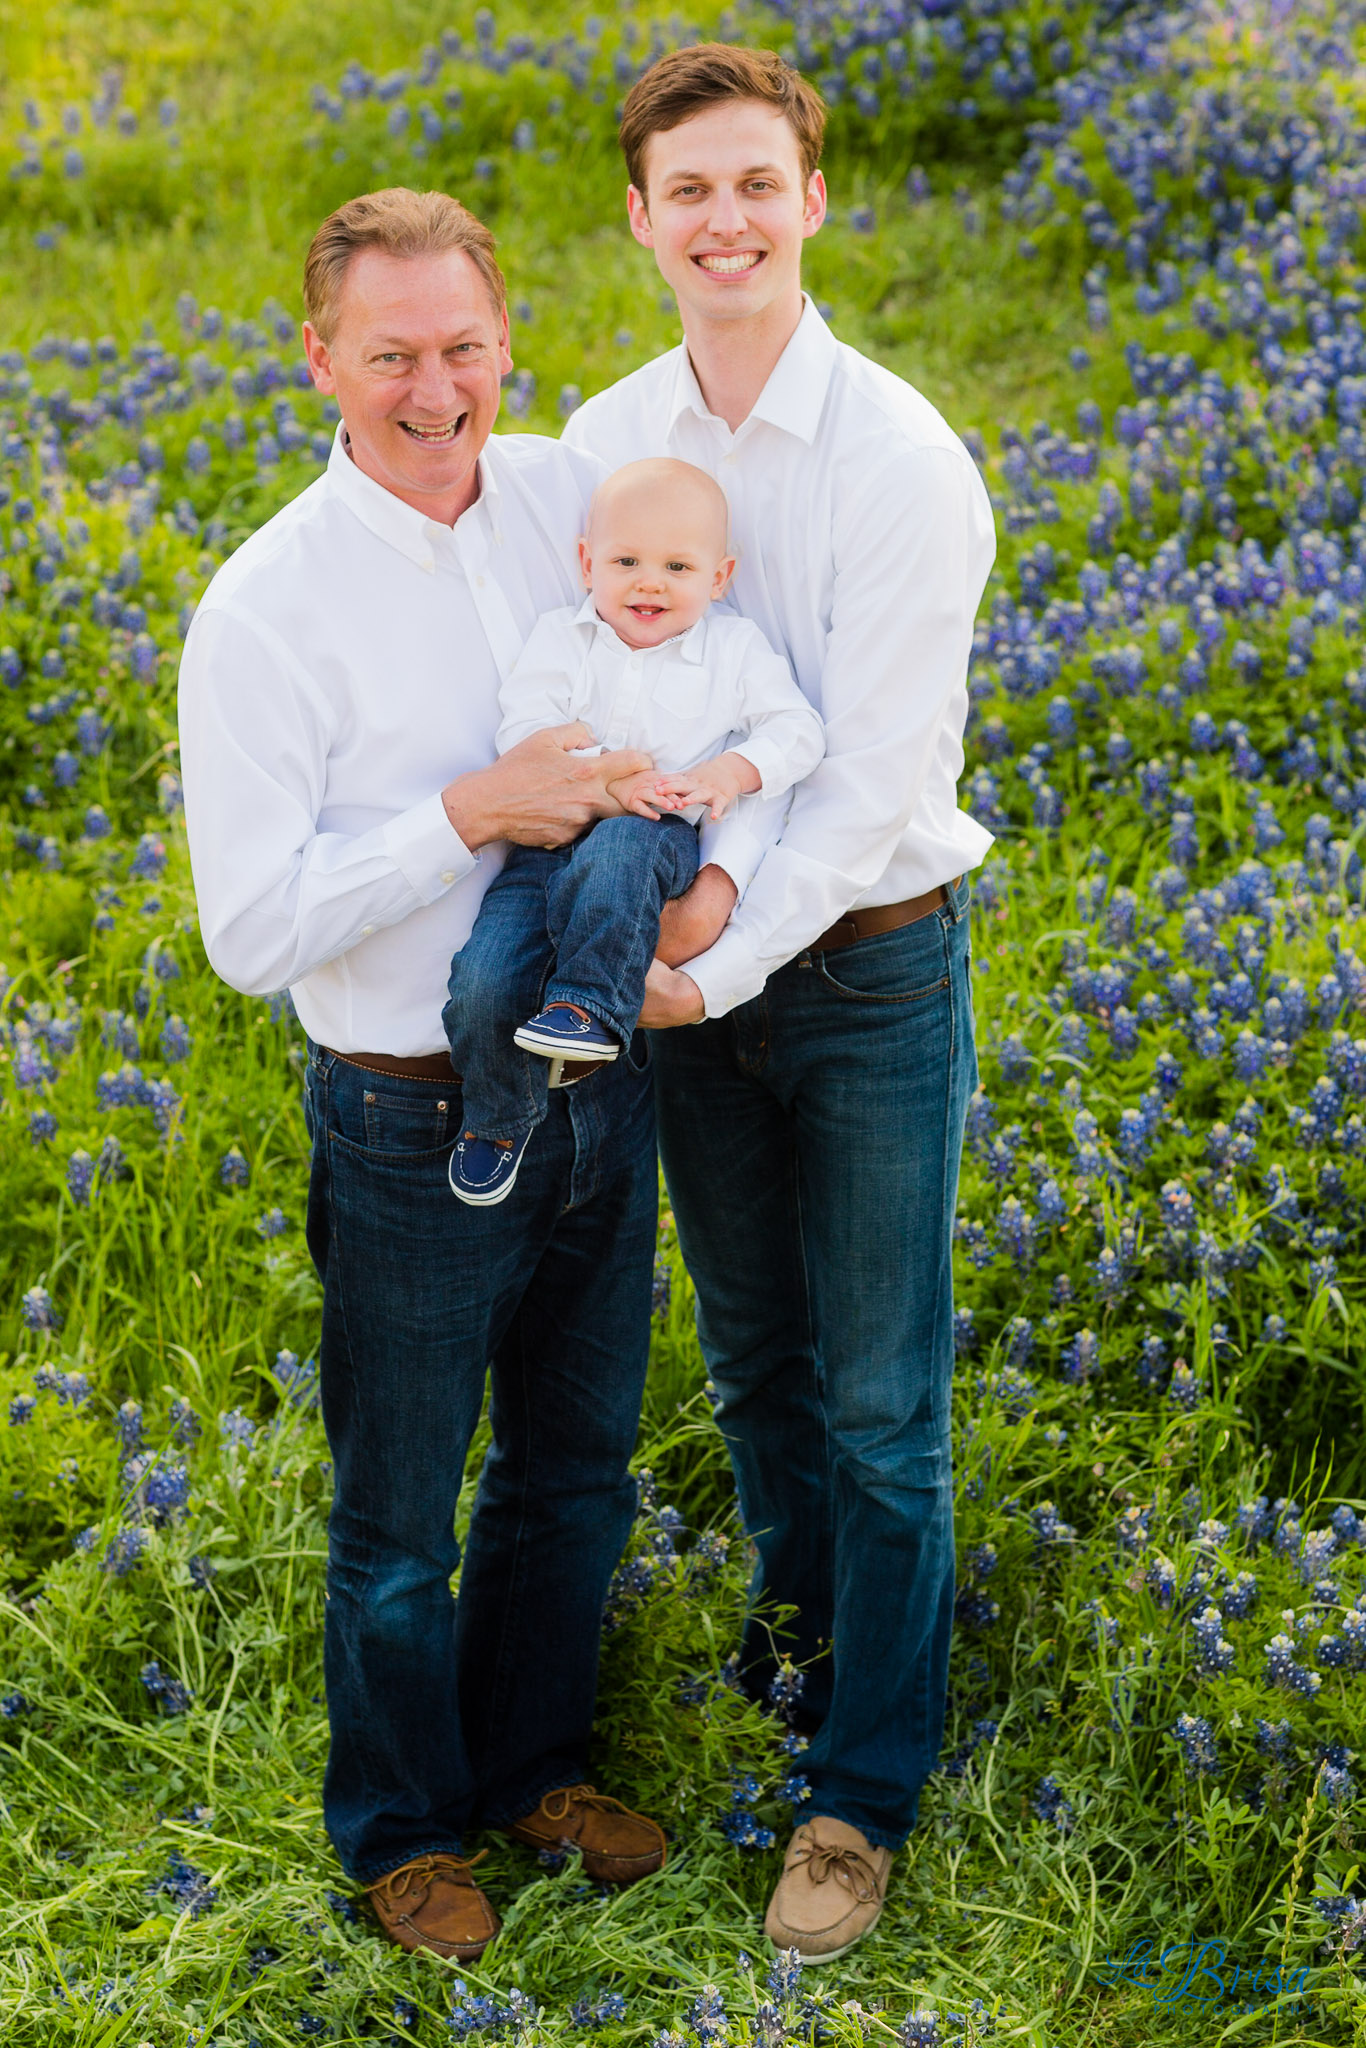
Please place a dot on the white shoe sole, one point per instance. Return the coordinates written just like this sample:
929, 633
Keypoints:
553, 1048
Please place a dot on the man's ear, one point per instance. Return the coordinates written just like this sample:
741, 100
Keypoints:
638, 213
319, 359
505, 362
585, 562
813, 212
725, 569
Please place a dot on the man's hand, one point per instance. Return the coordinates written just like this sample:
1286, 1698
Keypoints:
697, 918
670, 998
636, 793
715, 783
539, 793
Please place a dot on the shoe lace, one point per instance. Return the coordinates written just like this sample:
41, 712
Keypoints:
424, 1870
824, 1860
555, 1806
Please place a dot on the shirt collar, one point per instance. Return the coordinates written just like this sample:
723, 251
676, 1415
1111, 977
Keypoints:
793, 397
691, 644
402, 526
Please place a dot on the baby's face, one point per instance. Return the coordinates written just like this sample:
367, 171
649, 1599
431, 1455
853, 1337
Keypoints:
653, 563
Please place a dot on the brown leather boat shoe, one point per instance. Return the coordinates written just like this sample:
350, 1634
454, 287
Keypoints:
434, 1903
617, 1846
831, 1891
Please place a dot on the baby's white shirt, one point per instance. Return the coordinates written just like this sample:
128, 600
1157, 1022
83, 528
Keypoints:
717, 688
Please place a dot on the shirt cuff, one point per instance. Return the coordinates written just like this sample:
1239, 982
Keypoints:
727, 844
727, 974
427, 850
771, 762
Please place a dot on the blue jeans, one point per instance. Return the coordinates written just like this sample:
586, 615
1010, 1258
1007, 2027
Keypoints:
446, 1713
577, 925
811, 1142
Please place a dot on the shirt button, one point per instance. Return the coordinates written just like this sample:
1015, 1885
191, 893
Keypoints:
478, 582
366, 930
449, 876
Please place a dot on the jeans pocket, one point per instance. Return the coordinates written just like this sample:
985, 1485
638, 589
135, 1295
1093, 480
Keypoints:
903, 966
396, 1121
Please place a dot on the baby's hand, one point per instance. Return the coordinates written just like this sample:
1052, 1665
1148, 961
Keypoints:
713, 783
637, 793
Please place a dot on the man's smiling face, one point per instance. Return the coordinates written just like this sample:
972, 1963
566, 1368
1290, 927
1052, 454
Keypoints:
727, 209
415, 361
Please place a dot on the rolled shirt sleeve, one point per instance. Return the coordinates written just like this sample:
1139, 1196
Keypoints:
913, 546
280, 894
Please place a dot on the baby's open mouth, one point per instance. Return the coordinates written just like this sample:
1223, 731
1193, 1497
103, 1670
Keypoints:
645, 611
439, 436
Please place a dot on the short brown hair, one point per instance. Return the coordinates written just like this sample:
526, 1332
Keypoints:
402, 223
685, 81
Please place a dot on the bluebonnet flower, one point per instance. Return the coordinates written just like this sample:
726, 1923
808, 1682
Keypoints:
1160, 1577
920, 2029
964, 1333
183, 1420
1199, 1751
21, 1409
272, 1223
125, 1552
164, 1491
171, 1696
233, 1170
236, 1429
148, 862
1050, 1804
42, 1127
73, 1389
1213, 1654
129, 1423
1080, 1357
1239, 1597
785, 1689
1282, 1668
37, 1309
189, 1889
707, 2015
1272, 1738
1049, 1530
201, 1572
175, 1040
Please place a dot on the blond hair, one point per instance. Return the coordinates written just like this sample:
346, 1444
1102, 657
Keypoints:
402, 223
687, 81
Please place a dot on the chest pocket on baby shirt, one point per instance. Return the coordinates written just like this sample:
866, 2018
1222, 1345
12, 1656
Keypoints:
680, 691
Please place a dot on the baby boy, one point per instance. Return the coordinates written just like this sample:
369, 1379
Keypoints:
555, 966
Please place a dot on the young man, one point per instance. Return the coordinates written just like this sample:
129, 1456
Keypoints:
338, 706
811, 1120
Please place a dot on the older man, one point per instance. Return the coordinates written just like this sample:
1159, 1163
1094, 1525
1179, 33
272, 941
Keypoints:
345, 814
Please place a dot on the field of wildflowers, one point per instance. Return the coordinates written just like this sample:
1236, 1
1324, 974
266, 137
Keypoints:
1122, 247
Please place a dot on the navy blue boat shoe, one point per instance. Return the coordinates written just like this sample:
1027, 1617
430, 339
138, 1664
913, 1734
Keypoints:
482, 1170
563, 1030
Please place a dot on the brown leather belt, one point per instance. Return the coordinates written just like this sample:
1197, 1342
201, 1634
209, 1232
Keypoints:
881, 917
436, 1066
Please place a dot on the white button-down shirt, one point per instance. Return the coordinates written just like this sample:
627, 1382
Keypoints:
715, 687
341, 669
865, 538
